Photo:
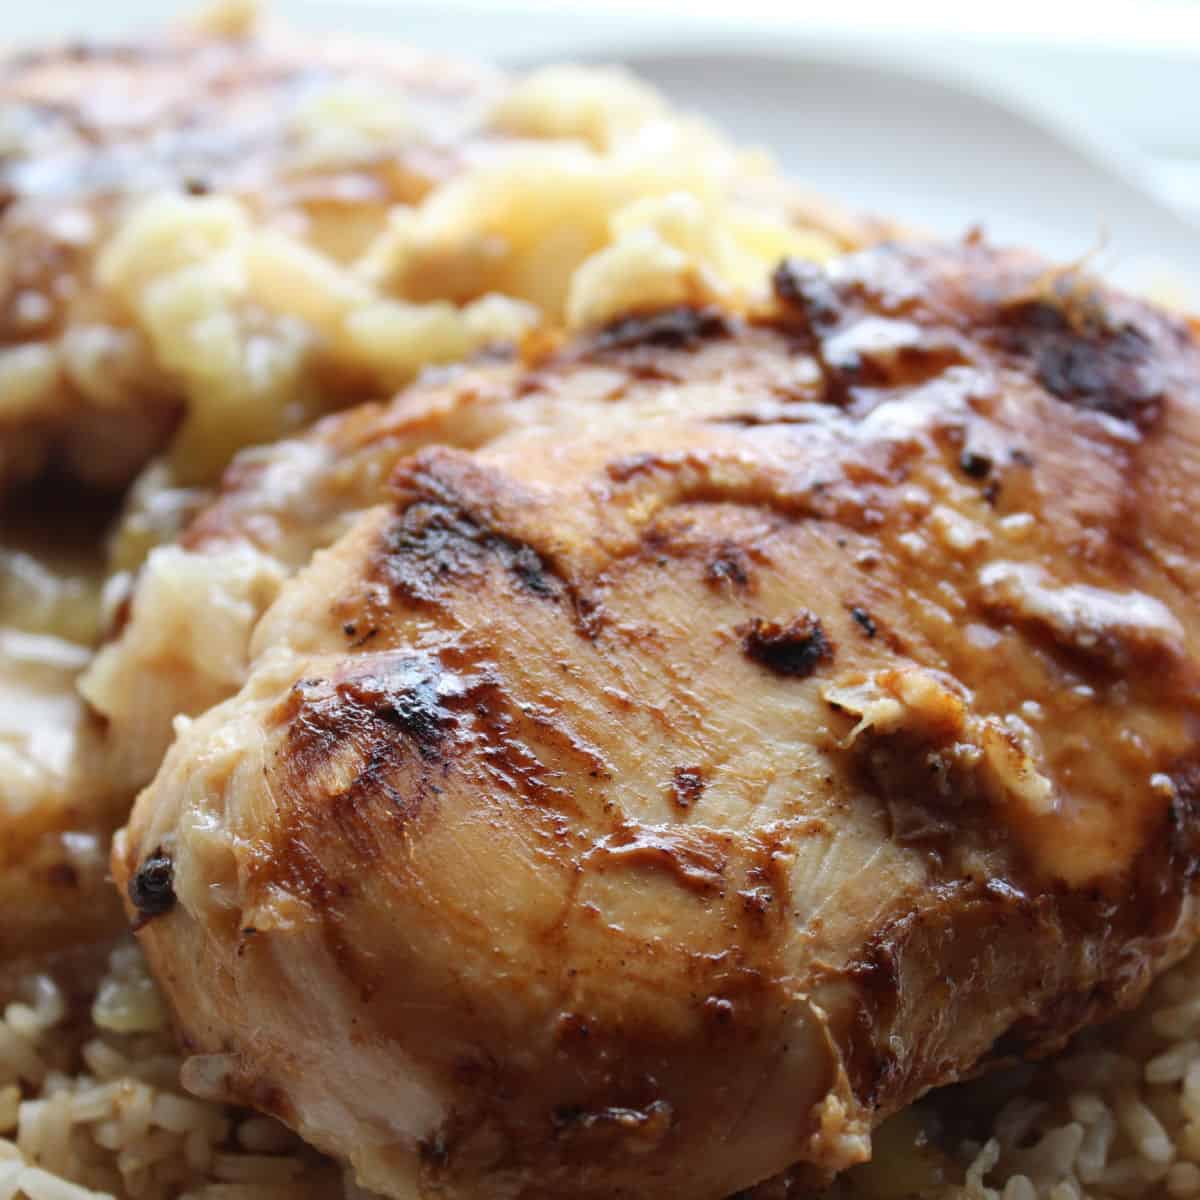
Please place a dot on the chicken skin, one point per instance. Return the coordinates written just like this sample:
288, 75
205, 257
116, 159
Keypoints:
184, 641
649, 804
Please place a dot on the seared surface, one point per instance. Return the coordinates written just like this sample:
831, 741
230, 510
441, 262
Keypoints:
642, 804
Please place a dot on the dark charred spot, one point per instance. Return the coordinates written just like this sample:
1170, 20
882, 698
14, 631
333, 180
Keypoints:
687, 786
864, 620
407, 699
1183, 818
434, 1150
152, 888
807, 289
350, 629
433, 544
680, 328
194, 186
729, 566
1087, 361
1021, 457
974, 464
795, 649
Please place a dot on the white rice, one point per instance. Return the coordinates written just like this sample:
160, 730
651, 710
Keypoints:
91, 1106
1116, 1115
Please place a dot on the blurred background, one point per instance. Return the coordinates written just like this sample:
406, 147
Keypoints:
1073, 126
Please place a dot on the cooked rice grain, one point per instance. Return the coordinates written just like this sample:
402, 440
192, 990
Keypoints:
90, 1106
1114, 1116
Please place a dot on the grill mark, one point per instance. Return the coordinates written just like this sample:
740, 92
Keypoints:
864, 620
805, 287
433, 544
680, 328
452, 721
1085, 359
687, 786
822, 307
450, 529
808, 292
413, 706
404, 694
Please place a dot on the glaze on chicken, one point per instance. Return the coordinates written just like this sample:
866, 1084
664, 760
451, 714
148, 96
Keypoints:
648, 804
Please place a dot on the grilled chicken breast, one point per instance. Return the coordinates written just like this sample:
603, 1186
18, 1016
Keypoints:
802, 715
183, 643
207, 240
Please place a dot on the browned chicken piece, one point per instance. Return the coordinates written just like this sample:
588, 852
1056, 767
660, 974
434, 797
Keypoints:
90, 129
184, 641
649, 805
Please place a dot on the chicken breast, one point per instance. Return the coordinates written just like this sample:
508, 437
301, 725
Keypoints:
183, 641
649, 805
